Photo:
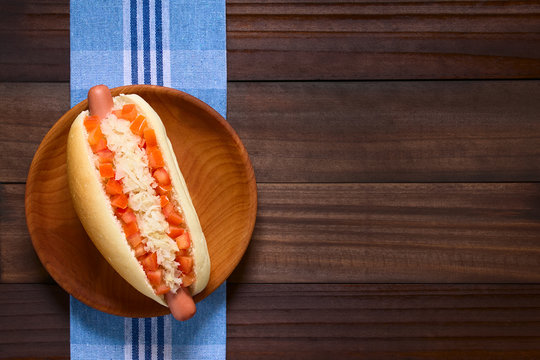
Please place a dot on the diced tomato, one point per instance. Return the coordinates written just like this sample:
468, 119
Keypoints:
119, 211
181, 253
91, 122
150, 137
175, 219
188, 279
142, 143
163, 190
106, 170
138, 125
186, 264
130, 229
162, 176
113, 187
118, 114
168, 209
139, 250
129, 216
164, 200
171, 215
183, 241
128, 108
100, 146
105, 156
162, 289
119, 201
154, 277
149, 262
94, 136
134, 240
175, 231
129, 112
155, 158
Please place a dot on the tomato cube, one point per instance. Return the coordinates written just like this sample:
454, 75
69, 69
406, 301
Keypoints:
129, 112
134, 240
100, 146
106, 170
186, 264
162, 177
162, 289
154, 277
138, 125
91, 122
188, 279
113, 187
155, 158
95, 135
105, 155
163, 200
175, 231
131, 228
149, 262
150, 137
119, 201
139, 250
183, 241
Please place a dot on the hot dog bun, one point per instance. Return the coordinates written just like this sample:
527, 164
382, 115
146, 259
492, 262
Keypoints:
97, 216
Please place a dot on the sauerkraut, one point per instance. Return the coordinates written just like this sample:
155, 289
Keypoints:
131, 163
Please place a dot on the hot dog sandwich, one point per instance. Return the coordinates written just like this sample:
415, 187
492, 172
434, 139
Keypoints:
133, 202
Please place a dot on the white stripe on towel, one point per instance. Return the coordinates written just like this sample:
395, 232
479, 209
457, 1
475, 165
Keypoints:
166, 44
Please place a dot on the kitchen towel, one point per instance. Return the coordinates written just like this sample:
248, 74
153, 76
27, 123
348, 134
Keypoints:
173, 43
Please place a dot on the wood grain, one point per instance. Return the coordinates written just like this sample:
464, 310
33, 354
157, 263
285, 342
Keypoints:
18, 260
25, 123
34, 37
35, 321
226, 202
318, 233
362, 40
341, 131
286, 40
387, 233
318, 321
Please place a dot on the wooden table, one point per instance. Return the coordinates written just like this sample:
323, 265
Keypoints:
396, 147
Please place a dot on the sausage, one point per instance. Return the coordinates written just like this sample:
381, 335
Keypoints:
100, 101
181, 304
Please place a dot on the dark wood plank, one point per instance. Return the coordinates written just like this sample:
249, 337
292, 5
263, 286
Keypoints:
382, 40
18, 260
29, 111
319, 233
323, 321
389, 131
34, 321
340, 131
320, 321
34, 38
385, 233
289, 40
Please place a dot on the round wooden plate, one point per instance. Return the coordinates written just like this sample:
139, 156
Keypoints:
219, 176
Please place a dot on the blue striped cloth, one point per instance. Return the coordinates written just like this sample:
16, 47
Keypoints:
179, 44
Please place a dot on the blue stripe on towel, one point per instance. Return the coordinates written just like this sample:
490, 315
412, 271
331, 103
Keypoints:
147, 338
160, 337
159, 45
135, 339
133, 25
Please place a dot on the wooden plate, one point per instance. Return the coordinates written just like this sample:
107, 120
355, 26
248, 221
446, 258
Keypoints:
219, 176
